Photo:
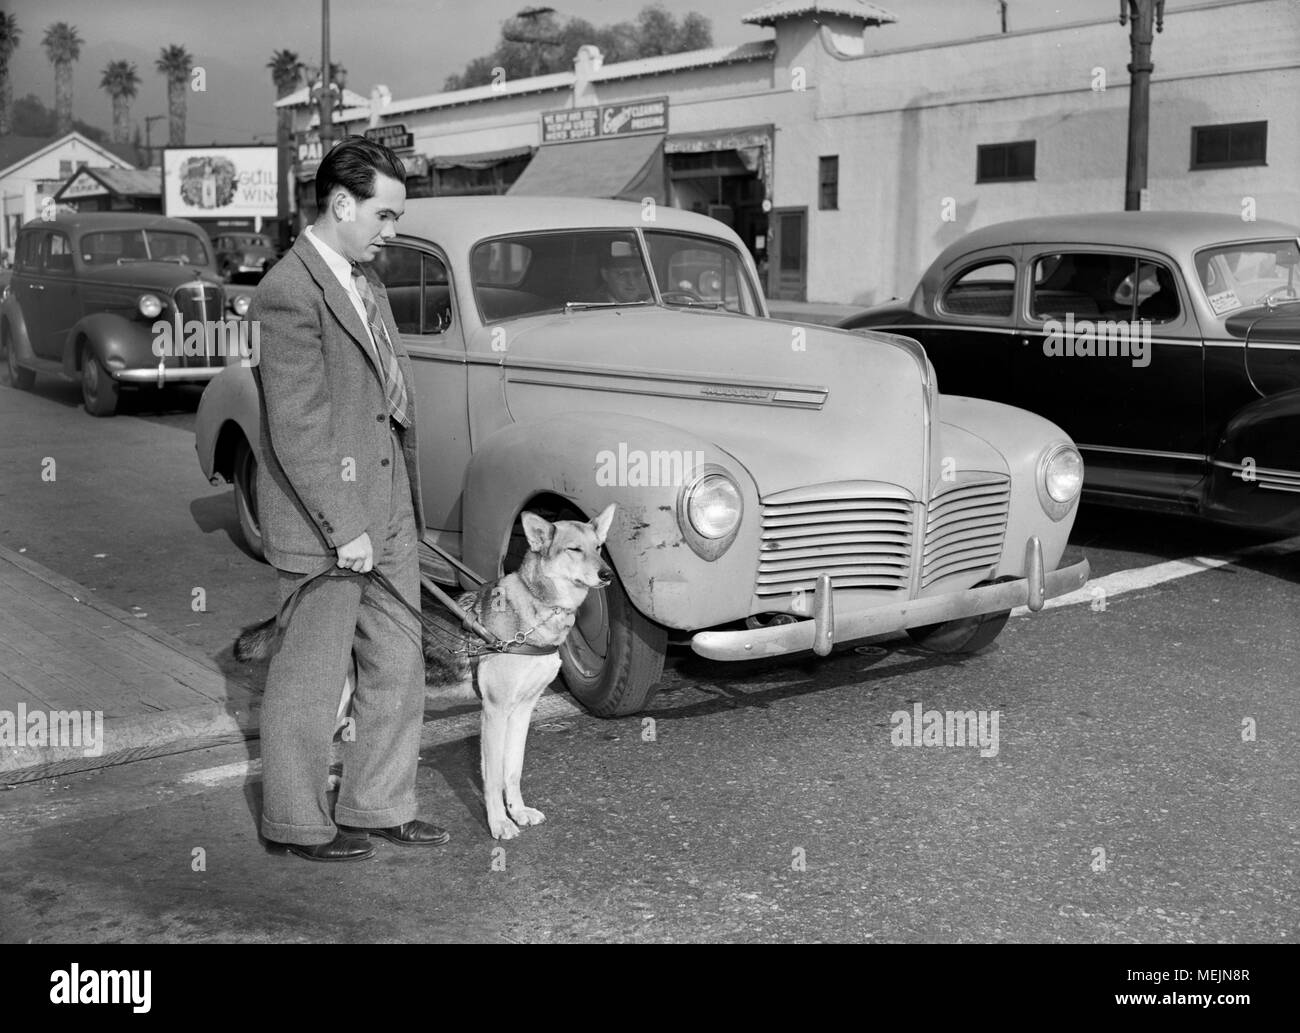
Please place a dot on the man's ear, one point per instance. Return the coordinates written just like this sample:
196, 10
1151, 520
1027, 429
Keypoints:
602, 522
343, 206
539, 532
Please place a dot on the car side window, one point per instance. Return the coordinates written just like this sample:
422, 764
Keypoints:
418, 289
987, 289
1089, 285
58, 255
436, 304
28, 256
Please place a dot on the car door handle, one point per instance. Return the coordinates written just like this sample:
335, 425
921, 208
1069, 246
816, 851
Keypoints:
36, 286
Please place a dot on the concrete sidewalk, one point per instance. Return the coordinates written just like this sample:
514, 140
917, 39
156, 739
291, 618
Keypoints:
83, 683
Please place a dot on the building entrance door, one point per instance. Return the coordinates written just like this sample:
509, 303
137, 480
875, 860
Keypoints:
787, 271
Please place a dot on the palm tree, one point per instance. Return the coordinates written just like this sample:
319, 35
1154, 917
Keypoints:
121, 81
10, 33
62, 47
286, 73
175, 62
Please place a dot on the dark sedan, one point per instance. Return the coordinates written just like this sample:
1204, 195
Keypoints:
1167, 344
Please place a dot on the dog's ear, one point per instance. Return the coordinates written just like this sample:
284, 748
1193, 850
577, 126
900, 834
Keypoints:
602, 522
539, 531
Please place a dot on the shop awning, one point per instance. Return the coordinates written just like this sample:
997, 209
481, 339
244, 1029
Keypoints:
479, 159
625, 168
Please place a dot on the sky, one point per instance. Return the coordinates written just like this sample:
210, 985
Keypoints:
408, 45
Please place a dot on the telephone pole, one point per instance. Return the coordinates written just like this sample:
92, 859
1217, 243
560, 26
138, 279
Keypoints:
325, 99
149, 120
1142, 13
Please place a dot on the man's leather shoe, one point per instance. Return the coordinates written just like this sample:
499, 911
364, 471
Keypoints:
412, 833
342, 847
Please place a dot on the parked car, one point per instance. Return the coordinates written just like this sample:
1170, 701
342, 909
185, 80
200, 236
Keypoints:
1167, 344
779, 487
108, 298
243, 257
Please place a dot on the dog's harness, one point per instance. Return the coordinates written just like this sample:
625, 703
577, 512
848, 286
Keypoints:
490, 643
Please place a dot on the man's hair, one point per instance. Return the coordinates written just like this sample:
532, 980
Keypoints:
353, 164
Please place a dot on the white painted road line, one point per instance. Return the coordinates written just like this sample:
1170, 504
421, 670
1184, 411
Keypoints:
1122, 581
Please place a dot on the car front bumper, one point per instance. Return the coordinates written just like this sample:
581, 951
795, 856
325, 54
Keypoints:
160, 375
826, 628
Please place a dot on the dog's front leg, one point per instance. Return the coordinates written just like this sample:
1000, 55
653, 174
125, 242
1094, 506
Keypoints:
516, 738
492, 737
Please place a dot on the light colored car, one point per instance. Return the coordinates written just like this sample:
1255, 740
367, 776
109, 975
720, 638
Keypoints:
117, 300
779, 487
1167, 344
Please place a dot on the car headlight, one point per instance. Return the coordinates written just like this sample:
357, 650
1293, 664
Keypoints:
150, 306
239, 304
713, 505
1060, 479
709, 509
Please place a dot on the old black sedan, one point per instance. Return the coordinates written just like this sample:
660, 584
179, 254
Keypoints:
118, 300
1167, 344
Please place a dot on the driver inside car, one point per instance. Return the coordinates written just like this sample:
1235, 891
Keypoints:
623, 278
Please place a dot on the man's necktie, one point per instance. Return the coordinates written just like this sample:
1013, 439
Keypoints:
394, 384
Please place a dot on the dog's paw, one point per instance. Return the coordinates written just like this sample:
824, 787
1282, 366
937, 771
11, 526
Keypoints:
527, 815
503, 828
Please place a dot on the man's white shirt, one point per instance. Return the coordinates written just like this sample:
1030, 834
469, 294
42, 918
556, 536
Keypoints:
342, 270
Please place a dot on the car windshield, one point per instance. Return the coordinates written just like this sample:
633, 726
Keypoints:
548, 272
1241, 275
116, 247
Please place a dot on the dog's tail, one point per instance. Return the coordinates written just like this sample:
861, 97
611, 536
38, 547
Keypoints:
258, 642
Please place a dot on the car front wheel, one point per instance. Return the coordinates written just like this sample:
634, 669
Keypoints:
99, 391
245, 478
614, 657
14, 374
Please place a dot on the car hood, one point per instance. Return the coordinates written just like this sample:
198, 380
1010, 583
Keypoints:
796, 404
162, 276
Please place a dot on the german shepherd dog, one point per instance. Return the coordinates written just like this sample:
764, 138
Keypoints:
535, 604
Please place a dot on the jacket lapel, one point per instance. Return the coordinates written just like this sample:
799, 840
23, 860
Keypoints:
336, 298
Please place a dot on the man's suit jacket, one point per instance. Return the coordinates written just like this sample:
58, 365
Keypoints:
324, 474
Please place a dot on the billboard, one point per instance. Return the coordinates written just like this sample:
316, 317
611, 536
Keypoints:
219, 182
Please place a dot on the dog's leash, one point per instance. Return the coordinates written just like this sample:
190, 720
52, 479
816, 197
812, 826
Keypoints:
491, 642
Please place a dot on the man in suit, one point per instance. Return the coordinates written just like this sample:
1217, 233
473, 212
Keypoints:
338, 481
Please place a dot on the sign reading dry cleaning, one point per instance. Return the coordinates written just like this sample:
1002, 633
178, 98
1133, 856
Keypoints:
640, 116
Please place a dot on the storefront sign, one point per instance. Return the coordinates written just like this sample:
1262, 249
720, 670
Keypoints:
395, 137
82, 185
640, 116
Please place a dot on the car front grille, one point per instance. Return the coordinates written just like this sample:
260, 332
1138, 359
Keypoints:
862, 534
202, 302
964, 526
859, 534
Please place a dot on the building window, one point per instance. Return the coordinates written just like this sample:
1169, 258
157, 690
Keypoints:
65, 168
1222, 147
1005, 162
829, 182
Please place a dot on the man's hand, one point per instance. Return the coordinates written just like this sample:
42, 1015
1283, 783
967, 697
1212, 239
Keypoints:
358, 554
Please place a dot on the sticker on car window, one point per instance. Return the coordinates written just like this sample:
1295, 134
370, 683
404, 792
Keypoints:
1224, 301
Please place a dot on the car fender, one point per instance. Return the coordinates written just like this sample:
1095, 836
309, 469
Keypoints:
1021, 439
1255, 469
228, 408
117, 342
573, 455
12, 314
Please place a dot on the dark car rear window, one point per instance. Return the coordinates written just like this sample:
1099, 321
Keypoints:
138, 245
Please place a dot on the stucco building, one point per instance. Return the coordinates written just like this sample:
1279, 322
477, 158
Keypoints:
847, 168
